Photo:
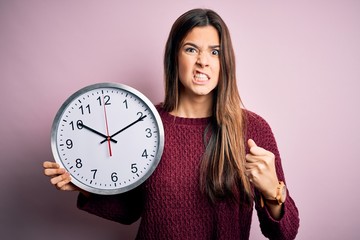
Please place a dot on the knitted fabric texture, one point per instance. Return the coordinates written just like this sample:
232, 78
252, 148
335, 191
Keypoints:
170, 203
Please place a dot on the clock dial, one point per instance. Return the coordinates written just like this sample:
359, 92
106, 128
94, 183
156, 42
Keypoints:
109, 137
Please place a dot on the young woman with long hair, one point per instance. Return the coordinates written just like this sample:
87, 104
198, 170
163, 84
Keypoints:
219, 159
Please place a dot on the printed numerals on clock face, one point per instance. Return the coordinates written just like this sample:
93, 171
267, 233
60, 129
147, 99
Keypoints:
107, 138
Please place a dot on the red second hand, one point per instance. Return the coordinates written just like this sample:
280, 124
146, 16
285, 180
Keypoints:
107, 128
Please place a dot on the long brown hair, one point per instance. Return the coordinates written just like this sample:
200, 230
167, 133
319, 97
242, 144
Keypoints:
223, 163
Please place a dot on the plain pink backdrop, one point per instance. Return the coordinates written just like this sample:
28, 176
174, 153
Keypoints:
298, 66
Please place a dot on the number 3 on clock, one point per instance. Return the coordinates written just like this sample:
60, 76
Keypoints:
98, 133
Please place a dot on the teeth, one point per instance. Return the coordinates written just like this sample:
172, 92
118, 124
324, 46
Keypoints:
201, 76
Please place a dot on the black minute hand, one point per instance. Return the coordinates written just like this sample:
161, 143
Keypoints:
123, 129
98, 133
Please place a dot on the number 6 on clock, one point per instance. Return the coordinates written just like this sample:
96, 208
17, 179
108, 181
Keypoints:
109, 137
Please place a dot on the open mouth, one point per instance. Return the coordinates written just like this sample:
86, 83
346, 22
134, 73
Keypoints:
201, 77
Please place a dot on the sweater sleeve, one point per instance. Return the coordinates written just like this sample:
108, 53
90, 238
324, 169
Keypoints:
125, 208
287, 226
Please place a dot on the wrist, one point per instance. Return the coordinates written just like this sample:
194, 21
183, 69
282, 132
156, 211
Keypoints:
278, 198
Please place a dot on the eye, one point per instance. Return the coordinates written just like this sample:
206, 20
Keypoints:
215, 52
191, 50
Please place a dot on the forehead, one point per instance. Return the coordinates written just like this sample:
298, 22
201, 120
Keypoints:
207, 35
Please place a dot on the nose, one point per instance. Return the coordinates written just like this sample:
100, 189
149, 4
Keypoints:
202, 60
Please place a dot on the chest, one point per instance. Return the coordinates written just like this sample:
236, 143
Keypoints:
177, 176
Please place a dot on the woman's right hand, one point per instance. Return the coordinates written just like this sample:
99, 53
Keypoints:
59, 177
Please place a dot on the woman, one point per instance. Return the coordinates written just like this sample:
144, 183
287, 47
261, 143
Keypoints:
218, 160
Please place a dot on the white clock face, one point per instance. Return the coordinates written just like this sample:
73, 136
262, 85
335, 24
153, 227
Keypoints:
109, 137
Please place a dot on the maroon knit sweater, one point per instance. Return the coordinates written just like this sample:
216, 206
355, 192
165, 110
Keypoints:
170, 203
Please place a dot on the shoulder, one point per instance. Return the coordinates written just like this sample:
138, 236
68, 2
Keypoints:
255, 122
164, 115
258, 129
160, 108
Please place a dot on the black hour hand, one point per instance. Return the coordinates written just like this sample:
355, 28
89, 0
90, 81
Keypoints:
96, 132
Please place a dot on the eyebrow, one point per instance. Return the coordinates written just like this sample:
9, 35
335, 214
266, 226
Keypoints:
194, 45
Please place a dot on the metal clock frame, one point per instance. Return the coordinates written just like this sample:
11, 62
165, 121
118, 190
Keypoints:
133, 91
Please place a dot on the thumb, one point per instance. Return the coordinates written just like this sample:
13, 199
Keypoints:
254, 149
251, 143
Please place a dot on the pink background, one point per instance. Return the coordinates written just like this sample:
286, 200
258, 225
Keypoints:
298, 66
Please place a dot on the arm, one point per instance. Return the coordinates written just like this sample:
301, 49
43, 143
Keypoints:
284, 228
125, 208
261, 171
276, 222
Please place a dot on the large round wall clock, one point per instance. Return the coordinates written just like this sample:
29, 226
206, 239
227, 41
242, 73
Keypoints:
109, 137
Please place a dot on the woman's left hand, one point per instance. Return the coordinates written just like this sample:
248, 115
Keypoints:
260, 169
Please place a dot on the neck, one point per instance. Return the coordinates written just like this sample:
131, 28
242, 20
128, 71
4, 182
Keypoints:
199, 107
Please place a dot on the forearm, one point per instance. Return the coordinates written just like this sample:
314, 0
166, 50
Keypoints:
275, 210
124, 208
286, 226
274, 204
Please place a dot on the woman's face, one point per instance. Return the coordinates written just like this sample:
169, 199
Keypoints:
199, 62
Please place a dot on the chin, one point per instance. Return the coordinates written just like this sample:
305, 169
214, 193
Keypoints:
204, 93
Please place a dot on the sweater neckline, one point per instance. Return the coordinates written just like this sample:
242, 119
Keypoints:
166, 116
